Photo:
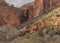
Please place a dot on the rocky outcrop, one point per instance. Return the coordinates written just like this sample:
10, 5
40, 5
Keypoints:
12, 16
38, 6
45, 5
28, 10
9, 15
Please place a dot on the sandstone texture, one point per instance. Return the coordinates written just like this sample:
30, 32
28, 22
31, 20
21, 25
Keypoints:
45, 5
13, 16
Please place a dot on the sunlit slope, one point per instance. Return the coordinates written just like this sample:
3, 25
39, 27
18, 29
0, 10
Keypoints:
50, 16
47, 24
54, 14
48, 19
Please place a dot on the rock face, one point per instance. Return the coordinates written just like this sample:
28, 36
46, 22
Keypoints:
28, 10
12, 16
8, 14
45, 5
38, 6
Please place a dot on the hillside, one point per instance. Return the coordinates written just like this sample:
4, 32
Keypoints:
50, 19
45, 29
36, 22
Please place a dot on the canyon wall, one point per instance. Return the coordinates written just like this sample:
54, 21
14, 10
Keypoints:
13, 16
9, 15
38, 6
28, 10
45, 5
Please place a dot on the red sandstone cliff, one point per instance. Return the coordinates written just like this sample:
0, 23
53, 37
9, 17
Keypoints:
28, 9
45, 5
38, 6
12, 16
8, 14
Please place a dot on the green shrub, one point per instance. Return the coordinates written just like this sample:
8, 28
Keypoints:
22, 33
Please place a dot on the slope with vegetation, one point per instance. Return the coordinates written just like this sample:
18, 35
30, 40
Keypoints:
45, 29
45, 19
42, 29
